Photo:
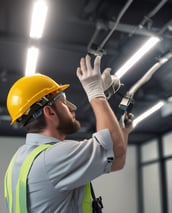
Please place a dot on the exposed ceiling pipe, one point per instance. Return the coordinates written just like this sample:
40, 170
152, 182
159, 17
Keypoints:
153, 12
127, 100
99, 26
98, 50
147, 18
150, 72
94, 49
126, 28
124, 9
165, 27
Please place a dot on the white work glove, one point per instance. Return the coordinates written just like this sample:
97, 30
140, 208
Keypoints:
111, 83
90, 77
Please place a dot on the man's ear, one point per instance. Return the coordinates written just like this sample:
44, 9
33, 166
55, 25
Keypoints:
49, 112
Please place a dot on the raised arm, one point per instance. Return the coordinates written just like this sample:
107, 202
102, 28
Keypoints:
91, 81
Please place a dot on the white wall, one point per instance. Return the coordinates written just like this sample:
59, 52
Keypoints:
7, 148
118, 189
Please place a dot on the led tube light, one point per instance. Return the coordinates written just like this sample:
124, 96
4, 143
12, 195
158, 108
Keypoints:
32, 57
137, 56
148, 113
38, 19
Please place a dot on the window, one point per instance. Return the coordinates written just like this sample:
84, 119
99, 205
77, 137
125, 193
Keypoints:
151, 188
155, 175
149, 151
167, 144
169, 184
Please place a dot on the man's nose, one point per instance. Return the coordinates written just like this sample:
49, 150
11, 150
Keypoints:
73, 107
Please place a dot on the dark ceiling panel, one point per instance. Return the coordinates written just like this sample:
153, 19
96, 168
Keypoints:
74, 28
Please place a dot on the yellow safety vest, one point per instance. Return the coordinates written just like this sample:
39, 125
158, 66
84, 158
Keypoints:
21, 198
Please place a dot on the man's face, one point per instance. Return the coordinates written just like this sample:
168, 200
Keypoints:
66, 115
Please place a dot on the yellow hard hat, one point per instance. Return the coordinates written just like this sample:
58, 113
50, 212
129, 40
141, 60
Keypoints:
28, 90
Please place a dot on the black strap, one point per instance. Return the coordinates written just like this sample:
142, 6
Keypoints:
97, 204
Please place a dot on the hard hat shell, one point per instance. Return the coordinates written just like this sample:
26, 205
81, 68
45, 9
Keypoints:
28, 90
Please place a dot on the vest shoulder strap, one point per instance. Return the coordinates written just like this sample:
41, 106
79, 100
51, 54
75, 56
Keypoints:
21, 200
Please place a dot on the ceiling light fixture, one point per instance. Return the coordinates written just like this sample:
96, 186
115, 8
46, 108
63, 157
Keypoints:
32, 57
148, 113
38, 19
137, 56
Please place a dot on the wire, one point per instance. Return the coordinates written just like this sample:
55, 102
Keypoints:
148, 17
115, 25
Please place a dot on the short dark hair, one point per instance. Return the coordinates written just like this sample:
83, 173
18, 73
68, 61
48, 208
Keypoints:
36, 125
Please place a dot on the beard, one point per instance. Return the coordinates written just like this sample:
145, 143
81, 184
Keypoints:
67, 125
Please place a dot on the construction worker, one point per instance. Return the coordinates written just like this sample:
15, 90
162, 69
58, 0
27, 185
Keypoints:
48, 173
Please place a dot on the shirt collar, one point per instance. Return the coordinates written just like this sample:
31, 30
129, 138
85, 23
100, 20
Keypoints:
38, 139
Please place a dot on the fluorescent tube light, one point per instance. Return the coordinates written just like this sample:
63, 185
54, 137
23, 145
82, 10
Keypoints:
38, 19
148, 113
32, 57
137, 56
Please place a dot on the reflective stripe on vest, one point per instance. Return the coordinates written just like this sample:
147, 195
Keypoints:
21, 199
8, 184
86, 203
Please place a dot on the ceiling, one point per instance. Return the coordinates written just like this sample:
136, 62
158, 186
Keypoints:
75, 28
